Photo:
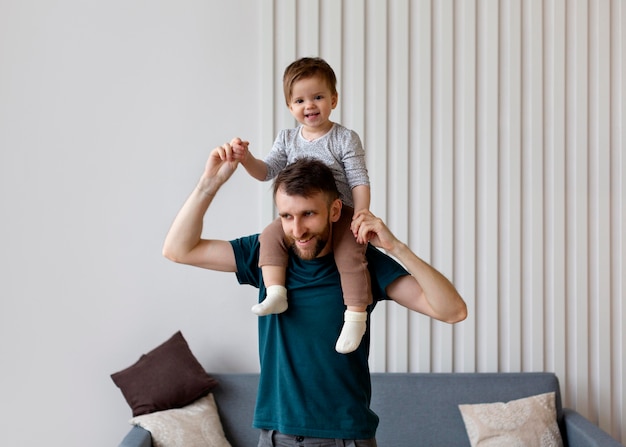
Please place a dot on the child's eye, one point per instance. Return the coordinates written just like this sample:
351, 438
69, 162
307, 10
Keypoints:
299, 101
318, 97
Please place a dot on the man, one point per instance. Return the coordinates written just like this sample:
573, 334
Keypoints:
308, 393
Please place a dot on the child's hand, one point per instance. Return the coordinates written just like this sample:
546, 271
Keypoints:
240, 149
356, 224
254, 166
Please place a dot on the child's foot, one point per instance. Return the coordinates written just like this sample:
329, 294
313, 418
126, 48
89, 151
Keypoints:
274, 303
352, 332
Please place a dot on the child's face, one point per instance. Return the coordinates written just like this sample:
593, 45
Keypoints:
311, 104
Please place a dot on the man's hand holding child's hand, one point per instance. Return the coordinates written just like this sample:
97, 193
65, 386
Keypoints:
240, 149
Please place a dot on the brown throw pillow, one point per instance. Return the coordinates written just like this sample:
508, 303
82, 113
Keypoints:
167, 377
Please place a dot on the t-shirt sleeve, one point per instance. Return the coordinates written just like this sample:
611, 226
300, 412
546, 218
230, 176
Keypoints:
383, 271
247, 258
277, 158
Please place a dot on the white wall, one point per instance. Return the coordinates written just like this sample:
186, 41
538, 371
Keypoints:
108, 110
495, 137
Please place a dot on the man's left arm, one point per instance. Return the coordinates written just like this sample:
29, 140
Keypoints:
426, 290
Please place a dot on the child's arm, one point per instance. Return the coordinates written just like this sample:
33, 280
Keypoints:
254, 166
361, 198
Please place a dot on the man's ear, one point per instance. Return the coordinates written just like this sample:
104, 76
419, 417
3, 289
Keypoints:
335, 210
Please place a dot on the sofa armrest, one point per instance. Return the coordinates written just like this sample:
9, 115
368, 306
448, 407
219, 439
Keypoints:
137, 437
582, 433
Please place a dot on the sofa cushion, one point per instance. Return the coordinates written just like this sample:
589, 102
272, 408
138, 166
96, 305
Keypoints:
529, 421
193, 425
167, 377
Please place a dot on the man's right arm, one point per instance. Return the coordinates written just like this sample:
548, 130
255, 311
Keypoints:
183, 243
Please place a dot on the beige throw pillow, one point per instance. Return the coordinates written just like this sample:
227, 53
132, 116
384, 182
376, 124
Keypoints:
197, 424
526, 422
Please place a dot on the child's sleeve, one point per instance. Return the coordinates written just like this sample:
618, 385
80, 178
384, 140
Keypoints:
277, 159
353, 158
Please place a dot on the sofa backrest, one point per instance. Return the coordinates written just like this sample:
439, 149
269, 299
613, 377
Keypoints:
415, 409
418, 409
235, 397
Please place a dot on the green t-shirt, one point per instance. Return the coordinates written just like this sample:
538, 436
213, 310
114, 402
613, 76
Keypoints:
306, 388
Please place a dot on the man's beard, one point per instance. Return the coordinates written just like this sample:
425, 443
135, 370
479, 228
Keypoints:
307, 255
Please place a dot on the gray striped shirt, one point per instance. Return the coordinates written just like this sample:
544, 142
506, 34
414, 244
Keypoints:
340, 149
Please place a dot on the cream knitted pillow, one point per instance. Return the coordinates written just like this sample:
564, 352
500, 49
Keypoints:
527, 422
197, 424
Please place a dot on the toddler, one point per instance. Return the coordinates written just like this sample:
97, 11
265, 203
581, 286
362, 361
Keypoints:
311, 95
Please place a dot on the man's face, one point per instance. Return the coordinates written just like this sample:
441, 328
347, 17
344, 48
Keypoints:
307, 223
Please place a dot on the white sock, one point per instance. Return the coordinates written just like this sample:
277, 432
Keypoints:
275, 302
352, 332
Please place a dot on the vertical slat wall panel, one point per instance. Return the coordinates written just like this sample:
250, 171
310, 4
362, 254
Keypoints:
420, 162
308, 27
576, 160
376, 139
599, 208
331, 44
533, 187
618, 213
494, 131
465, 178
555, 344
510, 142
398, 337
488, 307
352, 94
443, 166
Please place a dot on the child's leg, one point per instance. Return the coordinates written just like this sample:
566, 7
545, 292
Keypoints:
355, 282
273, 258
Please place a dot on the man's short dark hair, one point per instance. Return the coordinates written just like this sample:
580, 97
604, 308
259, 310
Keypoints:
306, 177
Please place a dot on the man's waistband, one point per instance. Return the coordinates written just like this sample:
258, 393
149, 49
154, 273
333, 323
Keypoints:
273, 438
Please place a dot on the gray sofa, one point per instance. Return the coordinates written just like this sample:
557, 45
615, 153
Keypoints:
415, 409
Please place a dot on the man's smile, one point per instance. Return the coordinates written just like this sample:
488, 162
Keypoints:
304, 241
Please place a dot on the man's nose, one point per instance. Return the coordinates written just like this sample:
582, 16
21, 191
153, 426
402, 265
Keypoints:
298, 228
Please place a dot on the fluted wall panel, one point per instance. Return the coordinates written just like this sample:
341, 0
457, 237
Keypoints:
494, 133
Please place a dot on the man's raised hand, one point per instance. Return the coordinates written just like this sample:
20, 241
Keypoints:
372, 229
219, 167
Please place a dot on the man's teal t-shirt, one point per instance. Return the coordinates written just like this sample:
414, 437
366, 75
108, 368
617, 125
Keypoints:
306, 388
